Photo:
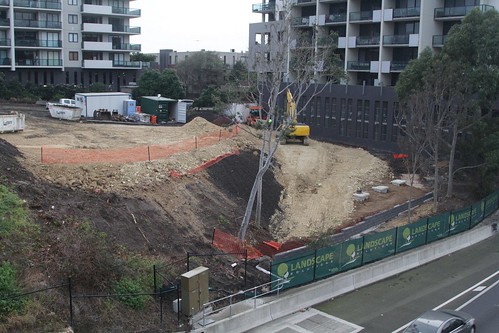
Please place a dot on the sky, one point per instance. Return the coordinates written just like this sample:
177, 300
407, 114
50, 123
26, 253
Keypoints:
193, 25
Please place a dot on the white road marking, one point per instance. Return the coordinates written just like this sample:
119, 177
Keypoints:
457, 296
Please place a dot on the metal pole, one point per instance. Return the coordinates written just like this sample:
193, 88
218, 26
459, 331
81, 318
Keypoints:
187, 261
161, 310
70, 303
245, 267
178, 303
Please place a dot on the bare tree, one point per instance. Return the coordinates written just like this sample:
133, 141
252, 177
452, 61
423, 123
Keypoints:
302, 63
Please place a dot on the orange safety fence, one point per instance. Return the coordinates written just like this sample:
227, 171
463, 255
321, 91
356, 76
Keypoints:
57, 155
230, 244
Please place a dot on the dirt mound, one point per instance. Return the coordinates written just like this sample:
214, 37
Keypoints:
200, 125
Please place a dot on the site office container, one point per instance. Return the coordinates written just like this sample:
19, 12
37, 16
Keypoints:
12, 122
158, 106
111, 101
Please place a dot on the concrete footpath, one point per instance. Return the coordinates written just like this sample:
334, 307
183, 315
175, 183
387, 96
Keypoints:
293, 301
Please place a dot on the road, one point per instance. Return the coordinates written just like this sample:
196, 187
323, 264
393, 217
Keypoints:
454, 281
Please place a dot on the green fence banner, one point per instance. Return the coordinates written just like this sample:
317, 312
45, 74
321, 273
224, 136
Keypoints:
438, 227
477, 212
297, 271
411, 235
491, 204
379, 245
459, 220
351, 254
327, 261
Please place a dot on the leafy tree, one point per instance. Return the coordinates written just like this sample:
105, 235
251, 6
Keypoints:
137, 56
98, 87
308, 65
152, 83
200, 71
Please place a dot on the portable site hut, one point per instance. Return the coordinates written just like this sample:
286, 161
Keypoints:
111, 101
180, 110
158, 106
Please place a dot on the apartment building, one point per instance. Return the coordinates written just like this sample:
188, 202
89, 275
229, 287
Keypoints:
77, 42
376, 38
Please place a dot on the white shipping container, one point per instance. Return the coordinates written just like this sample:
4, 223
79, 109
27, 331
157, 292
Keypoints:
12, 122
111, 101
179, 112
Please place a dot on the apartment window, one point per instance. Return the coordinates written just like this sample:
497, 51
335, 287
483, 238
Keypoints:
72, 19
73, 56
73, 2
73, 37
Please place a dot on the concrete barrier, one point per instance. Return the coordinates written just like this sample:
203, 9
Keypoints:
305, 296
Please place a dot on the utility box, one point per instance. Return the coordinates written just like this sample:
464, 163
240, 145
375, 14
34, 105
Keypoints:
158, 106
194, 290
110, 101
130, 107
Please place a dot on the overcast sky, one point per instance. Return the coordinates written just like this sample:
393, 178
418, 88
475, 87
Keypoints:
192, 25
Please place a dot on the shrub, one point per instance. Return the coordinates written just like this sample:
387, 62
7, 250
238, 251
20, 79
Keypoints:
126, 288
8, 287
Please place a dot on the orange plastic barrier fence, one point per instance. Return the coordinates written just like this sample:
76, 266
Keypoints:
230, 244
57, 155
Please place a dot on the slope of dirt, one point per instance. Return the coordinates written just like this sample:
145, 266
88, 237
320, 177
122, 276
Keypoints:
316, 183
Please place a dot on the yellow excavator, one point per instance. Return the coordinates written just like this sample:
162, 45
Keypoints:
293, 130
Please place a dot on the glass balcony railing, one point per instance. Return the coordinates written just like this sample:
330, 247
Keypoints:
361, 16
117, 63
358, 65
126, 28
396, 40
5, 61
128, 47
336, 18
39, 62
263, 7
38, 43
406, 12
126, 11
4, 41
363, 40
38, 4
459, 11
4, 2
439, 40
5, 22
398, 66
38, 24
304, 1
300, 21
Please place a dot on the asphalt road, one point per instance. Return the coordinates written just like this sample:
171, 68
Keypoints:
449, 282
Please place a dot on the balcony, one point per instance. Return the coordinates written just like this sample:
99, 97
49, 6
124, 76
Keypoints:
406, 12
439, 40
263, 8
96, 27
358, 66
336, 18
303, 2
127, 64
453, 12
398, 66
127, 47
98, 64
39, 62
396, 40
4, 42
38, 4
5, 62
38, 24
4, 2
367, 41
5, 22
126, 11
39, 43
126, 29
300, 21
361, 16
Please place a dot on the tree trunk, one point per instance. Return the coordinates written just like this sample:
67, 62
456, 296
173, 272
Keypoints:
450, 181
435, 182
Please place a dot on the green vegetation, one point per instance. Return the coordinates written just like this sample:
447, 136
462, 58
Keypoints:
9, 287
153, 82
127, 289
